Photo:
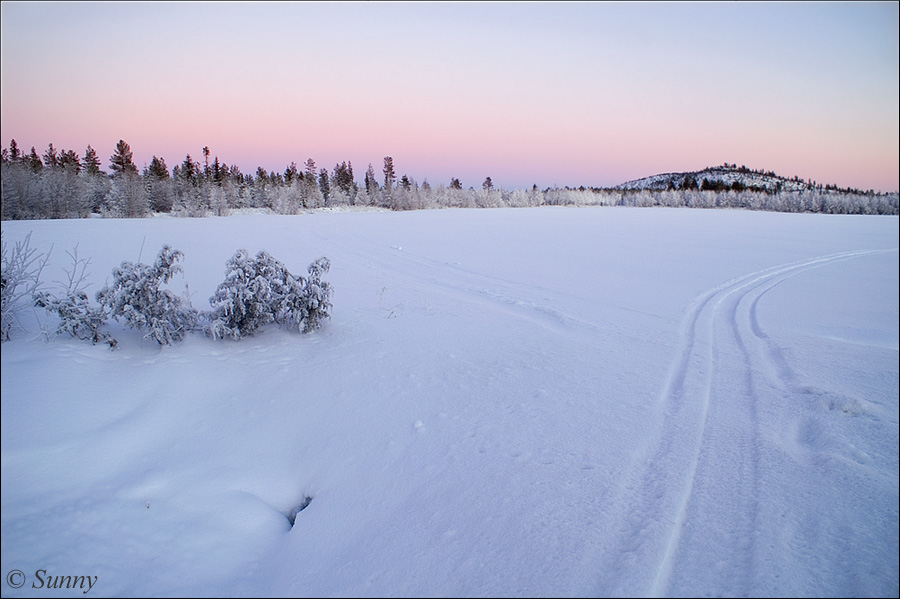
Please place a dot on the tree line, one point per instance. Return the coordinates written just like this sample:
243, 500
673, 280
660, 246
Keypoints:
62, 184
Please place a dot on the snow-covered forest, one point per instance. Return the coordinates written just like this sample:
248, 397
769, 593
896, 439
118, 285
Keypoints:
62, 184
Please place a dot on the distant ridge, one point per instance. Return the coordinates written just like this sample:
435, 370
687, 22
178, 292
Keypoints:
731, 176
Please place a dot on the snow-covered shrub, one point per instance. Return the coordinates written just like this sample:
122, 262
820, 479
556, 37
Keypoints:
136, 295
291, 307
261, 290
303, 303
20, 278
243, 301
317, 296
76, 316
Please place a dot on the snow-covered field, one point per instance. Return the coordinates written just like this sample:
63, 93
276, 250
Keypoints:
512, 402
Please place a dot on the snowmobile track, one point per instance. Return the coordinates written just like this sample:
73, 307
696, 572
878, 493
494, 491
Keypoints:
723, 356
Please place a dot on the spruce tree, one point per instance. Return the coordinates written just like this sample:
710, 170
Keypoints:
343, 177
217, 171
291, 173
324, 185
14, 154
120, 162
371, 182
50, 157
34, 161
309, 172
69, 161
157, 169
91, 162
159, 190
189, 169
389, 176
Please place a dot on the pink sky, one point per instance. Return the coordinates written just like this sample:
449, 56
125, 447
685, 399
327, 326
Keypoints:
573, 94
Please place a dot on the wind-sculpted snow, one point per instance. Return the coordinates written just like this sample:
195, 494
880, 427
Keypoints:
534, 402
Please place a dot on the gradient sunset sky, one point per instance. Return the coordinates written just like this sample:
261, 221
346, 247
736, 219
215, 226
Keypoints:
556, 93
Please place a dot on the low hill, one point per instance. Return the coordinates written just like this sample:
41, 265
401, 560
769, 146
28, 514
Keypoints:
729, 176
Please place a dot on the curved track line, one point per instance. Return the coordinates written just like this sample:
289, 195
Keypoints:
710, 336
521, 300
664, 496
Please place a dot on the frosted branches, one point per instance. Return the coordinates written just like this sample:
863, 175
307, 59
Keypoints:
137, 296
260, 290
76, 315
256, 291
20, 276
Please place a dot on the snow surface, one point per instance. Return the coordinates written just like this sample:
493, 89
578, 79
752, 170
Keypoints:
512, 402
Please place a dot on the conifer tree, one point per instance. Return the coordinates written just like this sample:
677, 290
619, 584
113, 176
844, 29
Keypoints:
309, 172
291, 173
389, 176
324, 185
371, 182
14, 154
50, 157
189, 169
217, 171
157, 169
343, 177
159, 190
69, 161
34, 161
91, 161
206, 162
234, 172
120, 162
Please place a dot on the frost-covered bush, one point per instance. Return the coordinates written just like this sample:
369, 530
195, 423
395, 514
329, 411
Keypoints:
137, 296
76, 315
318, 295
20, 278
261, 290
244, 301
305, 302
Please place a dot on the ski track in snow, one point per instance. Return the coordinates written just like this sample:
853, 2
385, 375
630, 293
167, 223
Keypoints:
686, 509
669, 510
468, 286
666, 512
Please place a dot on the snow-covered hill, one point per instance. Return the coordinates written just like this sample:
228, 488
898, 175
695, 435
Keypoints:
724, 177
